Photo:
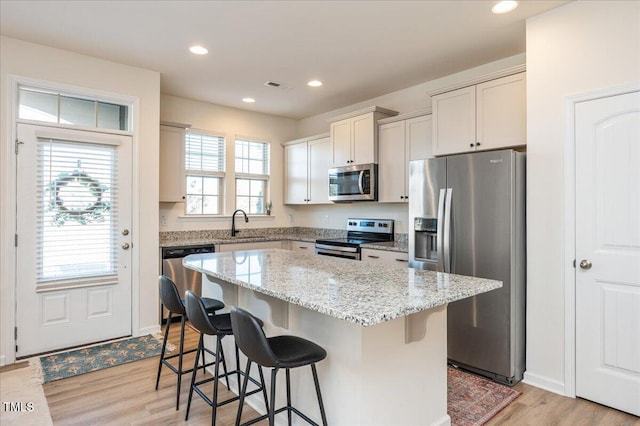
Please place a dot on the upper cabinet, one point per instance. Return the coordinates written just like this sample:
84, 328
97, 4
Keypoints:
172, 178
307, 162
401, 141
485, 116
354, 136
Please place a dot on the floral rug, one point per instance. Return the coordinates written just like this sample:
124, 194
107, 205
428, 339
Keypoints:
85, 360
473, 400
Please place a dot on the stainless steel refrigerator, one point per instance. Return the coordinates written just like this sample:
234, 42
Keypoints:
467, 217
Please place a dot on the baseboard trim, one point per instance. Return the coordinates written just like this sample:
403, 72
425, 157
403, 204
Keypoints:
149, 330
545, 383
443, 421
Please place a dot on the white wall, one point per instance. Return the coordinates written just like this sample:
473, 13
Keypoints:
577, 48
407, 100
18, 58
229, 122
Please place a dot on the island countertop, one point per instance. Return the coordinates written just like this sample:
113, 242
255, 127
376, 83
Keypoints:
358, 292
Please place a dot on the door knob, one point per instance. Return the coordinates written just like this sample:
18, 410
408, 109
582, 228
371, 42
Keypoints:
125, 246
585, 264
125, 232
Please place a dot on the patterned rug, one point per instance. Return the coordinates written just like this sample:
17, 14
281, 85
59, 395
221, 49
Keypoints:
473, 400
85, 360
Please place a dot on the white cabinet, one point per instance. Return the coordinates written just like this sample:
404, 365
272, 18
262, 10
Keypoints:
249, 246
172, 178
354, 136
303, 247
485, 116
400, 142
385, 257
306, 179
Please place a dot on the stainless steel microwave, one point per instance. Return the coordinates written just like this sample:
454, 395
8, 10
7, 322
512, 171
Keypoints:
354, 183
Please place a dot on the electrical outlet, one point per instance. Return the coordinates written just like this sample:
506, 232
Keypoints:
326, 219
163, 220
290, 217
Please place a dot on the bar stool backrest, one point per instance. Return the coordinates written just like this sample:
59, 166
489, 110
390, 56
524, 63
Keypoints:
197, 314
169, 295
251, 339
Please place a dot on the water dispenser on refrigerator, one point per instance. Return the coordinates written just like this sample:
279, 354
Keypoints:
425, 233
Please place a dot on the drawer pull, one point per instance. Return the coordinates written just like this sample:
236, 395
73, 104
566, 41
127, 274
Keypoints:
401, 260
302, 247
373, 257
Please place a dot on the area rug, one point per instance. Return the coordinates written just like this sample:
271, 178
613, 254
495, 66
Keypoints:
85, 360
23, 400
473, 400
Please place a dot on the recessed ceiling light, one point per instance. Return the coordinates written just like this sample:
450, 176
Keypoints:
314, 83
198, 50
504, 7
248, 100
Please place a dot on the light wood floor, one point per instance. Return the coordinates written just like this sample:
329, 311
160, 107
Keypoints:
125, 395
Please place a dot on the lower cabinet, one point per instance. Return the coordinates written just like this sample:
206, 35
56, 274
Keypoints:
384, 257
250, 246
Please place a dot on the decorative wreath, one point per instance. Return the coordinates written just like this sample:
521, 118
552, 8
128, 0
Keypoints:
92, 213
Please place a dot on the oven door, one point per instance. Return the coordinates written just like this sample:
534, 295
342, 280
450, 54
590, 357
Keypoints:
338, 251
353, 183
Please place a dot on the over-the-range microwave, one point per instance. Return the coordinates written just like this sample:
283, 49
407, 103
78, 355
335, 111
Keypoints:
354, 183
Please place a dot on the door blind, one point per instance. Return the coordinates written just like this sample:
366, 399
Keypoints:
77, 213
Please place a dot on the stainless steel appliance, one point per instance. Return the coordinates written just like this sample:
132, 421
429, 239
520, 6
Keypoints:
353, 183
184, 278
359, 231
467, 217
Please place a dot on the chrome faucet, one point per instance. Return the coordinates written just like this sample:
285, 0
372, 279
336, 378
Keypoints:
233, 221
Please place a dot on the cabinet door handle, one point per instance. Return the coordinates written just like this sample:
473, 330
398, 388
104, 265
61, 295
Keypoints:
402, 197
406, 197
471, 145
477, 143
401, 260
373, 257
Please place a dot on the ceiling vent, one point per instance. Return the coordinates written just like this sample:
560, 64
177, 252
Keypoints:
272, 84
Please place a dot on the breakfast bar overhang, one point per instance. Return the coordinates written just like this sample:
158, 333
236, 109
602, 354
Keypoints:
384, 329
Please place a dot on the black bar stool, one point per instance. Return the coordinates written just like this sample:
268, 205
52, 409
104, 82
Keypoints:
219, 326
275, 352
175, 305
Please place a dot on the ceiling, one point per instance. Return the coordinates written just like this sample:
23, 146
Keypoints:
359, 49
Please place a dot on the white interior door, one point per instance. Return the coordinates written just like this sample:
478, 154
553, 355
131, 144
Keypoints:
608, 251
73, 238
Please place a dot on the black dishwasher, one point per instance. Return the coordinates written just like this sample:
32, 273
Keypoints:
185, 279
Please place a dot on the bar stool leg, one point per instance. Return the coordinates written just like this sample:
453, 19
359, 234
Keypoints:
315, 381
272, 407
264, 388
243, 391
182, 324
193, 375
164, 347
216, 379
237, 368
288, 378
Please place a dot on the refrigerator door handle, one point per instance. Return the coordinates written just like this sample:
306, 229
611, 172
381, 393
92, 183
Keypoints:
447, 230
440, 230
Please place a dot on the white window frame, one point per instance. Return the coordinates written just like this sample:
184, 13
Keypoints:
253, 176
221, 175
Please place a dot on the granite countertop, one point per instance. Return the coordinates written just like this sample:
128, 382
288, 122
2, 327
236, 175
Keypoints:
397, 246
357, 292
193, 238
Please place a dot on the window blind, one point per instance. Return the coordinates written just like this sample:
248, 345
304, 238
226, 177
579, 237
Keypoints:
77, 212
204, 153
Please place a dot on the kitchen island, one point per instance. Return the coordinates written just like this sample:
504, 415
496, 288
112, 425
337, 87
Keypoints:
384, 329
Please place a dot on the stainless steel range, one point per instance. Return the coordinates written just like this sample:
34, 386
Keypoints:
359, 231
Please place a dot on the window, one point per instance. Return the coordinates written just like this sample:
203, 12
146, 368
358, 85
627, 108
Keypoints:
252, 175
204, 166
54, 107
77, 217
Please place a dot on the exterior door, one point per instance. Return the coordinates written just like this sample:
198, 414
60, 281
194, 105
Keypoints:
608, 251
73, 238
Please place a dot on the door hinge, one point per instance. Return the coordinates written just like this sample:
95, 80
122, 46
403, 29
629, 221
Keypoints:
574, 264
15, 333
16, 240
18, 143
